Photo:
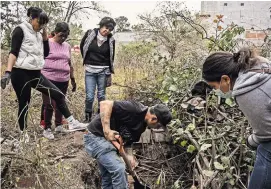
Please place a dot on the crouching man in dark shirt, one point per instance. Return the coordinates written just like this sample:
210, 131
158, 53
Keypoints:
129, 119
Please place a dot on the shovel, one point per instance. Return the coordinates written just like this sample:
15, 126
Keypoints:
137, 184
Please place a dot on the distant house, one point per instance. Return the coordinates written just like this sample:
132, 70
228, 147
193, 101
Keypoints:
125, 37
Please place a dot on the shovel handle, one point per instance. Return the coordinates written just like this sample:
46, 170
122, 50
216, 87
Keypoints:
119, 146
118, 143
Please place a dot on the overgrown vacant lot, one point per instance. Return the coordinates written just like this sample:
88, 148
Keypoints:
203, 147
206, 143
63, 162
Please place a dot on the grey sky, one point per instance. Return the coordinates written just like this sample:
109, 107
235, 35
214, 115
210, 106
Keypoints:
130, 9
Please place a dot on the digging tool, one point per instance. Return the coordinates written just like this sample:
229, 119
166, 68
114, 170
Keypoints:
137, 184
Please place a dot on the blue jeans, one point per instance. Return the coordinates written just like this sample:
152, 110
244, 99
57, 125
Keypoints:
261, 175
112, 168
91, 80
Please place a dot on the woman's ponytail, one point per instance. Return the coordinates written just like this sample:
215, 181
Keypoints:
226, 63
244, 58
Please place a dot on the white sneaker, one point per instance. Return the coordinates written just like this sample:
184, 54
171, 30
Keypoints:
77, 126
48, 134
61, 129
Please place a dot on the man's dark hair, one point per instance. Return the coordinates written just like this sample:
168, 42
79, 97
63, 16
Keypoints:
226, 63
162, 113
36, 12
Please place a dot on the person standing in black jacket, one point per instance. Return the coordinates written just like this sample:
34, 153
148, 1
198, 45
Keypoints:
29, 46
98, 50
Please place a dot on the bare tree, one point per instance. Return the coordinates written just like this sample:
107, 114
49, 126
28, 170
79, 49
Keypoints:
10, 16
14, 12
74, 8
174, 35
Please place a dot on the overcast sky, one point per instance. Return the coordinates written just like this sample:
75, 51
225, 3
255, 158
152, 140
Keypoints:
131, 9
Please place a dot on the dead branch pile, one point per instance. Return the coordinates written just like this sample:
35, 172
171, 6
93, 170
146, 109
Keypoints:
161, 164
215, 133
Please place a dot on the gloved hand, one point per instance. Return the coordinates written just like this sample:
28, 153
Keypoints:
252, 142
5, 79
73, 84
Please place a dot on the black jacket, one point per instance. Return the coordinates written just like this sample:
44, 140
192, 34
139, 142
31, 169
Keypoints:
89, 36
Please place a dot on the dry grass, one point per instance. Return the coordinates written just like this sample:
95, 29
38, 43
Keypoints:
38, 161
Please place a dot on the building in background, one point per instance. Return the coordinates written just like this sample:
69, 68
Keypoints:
249, 14
125, 37
254, 16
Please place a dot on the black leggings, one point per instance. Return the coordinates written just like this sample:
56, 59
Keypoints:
23, 80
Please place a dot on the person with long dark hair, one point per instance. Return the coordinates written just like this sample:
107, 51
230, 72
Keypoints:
29, 46
98, 51
247, 77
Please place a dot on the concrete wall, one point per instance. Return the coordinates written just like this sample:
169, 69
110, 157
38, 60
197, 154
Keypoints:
256, 14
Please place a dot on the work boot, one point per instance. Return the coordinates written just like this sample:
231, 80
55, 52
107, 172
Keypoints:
88, 117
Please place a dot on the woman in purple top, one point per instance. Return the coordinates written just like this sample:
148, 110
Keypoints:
58, 70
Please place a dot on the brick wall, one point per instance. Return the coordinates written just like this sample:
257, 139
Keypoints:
255, 35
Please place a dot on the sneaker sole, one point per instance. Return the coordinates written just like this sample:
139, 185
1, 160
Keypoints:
61, 133
48, 137
77, 129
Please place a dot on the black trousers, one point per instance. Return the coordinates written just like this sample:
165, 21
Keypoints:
23, 80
